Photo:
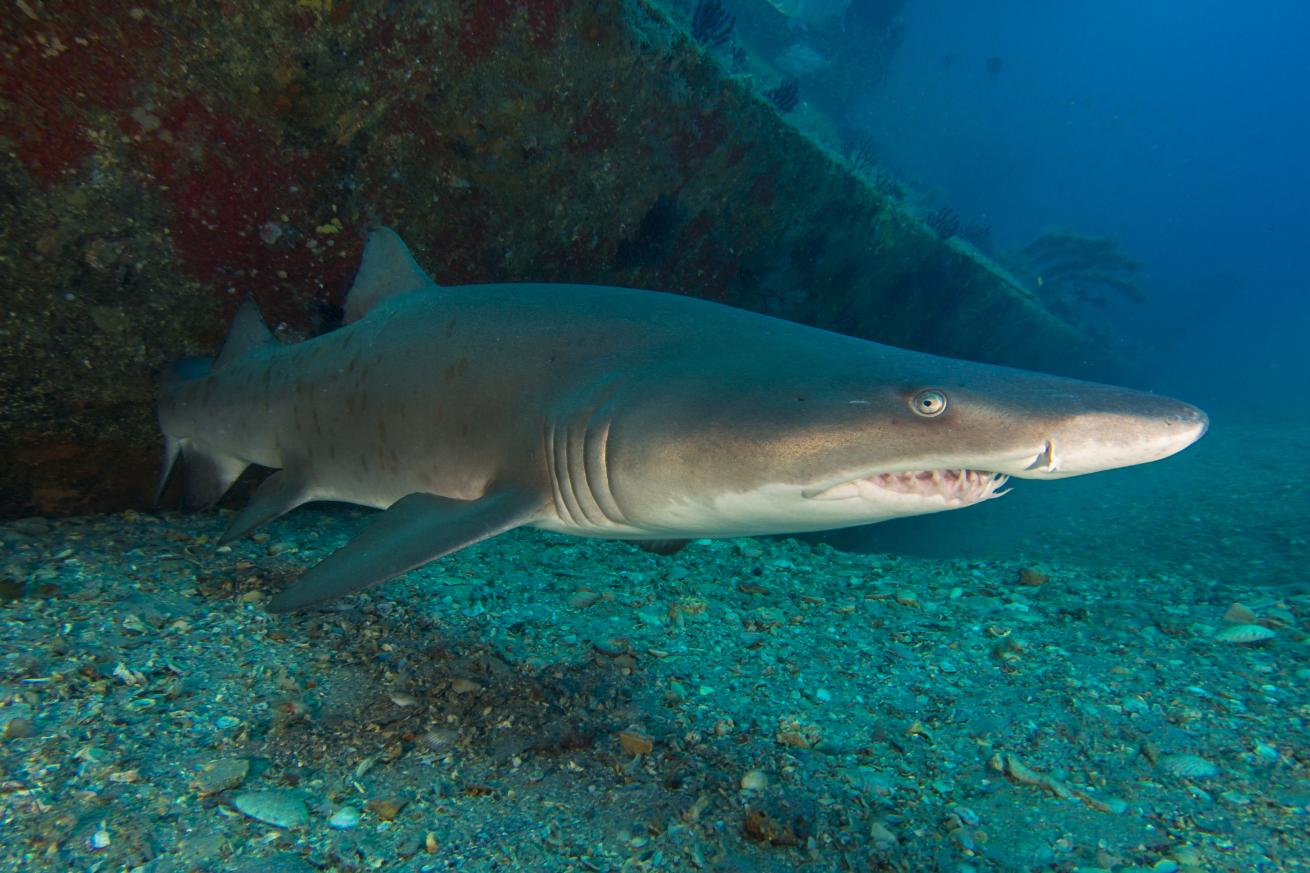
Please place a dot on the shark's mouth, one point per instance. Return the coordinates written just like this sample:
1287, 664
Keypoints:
955, 487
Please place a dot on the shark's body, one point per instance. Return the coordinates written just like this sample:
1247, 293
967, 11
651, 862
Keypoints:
613, 412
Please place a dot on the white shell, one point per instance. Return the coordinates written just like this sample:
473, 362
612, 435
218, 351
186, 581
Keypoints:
1244, 634
1188, 766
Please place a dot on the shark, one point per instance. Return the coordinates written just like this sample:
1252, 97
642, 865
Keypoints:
463, 412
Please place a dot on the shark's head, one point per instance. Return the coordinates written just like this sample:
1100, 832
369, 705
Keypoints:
873, 433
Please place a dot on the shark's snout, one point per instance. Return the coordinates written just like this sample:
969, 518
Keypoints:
1090, 442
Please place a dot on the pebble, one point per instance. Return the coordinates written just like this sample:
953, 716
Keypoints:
460, 685
635, 743
345, 817
386, 808
1033, 578
583, 599
18, 729
1116, 805
221, 775
1239, 613
868, 781
754, 780
21, 712
283, 809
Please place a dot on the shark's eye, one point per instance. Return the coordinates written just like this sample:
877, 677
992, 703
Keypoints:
929, 403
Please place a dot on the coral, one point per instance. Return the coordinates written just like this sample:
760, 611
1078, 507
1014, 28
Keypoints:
862, 155
886, 185
784, 97
1073, 266
711, 25
943, 222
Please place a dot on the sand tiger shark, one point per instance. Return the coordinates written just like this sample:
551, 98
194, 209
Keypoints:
464, 412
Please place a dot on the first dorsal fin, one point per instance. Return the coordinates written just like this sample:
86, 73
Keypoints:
247, 333
387, 270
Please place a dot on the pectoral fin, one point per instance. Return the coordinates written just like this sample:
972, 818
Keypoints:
278, 494
415, 530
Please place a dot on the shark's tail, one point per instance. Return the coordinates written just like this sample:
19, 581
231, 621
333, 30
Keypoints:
210, 472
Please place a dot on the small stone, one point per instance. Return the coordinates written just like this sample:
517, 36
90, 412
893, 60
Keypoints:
343, 818
20, 712
761, 827
460, 685
1239, 613
882, 837
754, 780
18, 729
583, 599
1033, 578
635, 743
100, 839
221, 775
283, 809
386, 808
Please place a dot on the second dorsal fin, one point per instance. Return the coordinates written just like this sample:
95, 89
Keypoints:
387, 270
247, 333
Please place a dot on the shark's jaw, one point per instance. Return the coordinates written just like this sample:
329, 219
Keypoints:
780, 507
953, 488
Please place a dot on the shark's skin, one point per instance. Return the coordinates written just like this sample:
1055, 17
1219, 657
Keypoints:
613, 412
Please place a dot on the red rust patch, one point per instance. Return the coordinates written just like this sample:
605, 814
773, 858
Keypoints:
244, 211
594, 131
57, 72
488, 23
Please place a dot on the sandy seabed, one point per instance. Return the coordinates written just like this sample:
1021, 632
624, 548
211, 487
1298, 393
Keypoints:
1130, 690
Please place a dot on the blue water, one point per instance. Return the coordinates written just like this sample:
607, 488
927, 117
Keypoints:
1182, 128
